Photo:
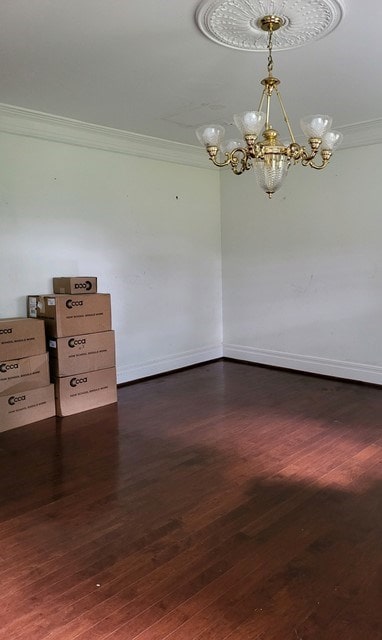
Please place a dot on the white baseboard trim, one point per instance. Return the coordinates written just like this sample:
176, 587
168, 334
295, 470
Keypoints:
323, 366
169, 363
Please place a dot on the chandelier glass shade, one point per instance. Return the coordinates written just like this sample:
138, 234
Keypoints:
268, 156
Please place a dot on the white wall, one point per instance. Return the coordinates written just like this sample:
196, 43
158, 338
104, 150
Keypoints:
302, 273
149, 229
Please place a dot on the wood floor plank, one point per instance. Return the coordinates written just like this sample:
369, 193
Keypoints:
224, 501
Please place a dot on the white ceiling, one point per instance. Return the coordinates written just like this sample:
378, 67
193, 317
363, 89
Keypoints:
145, 66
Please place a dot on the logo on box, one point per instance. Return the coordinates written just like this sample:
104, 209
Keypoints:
75, 342
7, 367
2, 331
13, 399
76, 381
83, 285
74, 303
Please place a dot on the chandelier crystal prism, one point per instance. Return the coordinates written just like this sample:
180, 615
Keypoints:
269, 157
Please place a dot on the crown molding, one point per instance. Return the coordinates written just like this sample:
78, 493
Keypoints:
35, 124
361, 134
25, 122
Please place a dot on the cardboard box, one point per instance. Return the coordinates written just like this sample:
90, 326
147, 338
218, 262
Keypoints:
85, 284
78, 354
21, 338
68, 315
85, 391
24, 407
24, 374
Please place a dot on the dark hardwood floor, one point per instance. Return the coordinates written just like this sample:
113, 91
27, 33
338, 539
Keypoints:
223, 502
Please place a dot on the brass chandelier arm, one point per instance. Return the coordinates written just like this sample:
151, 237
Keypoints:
213, 153
316, 166
307, 160
221, 164
325, 155
239, 165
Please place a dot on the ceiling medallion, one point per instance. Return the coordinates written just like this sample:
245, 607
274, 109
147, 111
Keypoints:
237, 23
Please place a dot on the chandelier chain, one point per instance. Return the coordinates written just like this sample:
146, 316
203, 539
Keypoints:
269, 45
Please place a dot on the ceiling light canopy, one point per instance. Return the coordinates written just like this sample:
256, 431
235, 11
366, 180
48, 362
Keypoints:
269, 157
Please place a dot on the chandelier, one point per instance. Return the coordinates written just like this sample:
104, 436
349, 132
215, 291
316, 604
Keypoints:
269, 157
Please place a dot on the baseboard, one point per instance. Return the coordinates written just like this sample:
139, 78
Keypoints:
322, 366
169, 363
356, 371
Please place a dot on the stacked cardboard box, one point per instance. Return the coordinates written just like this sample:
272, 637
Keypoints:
81, 343
26, 394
